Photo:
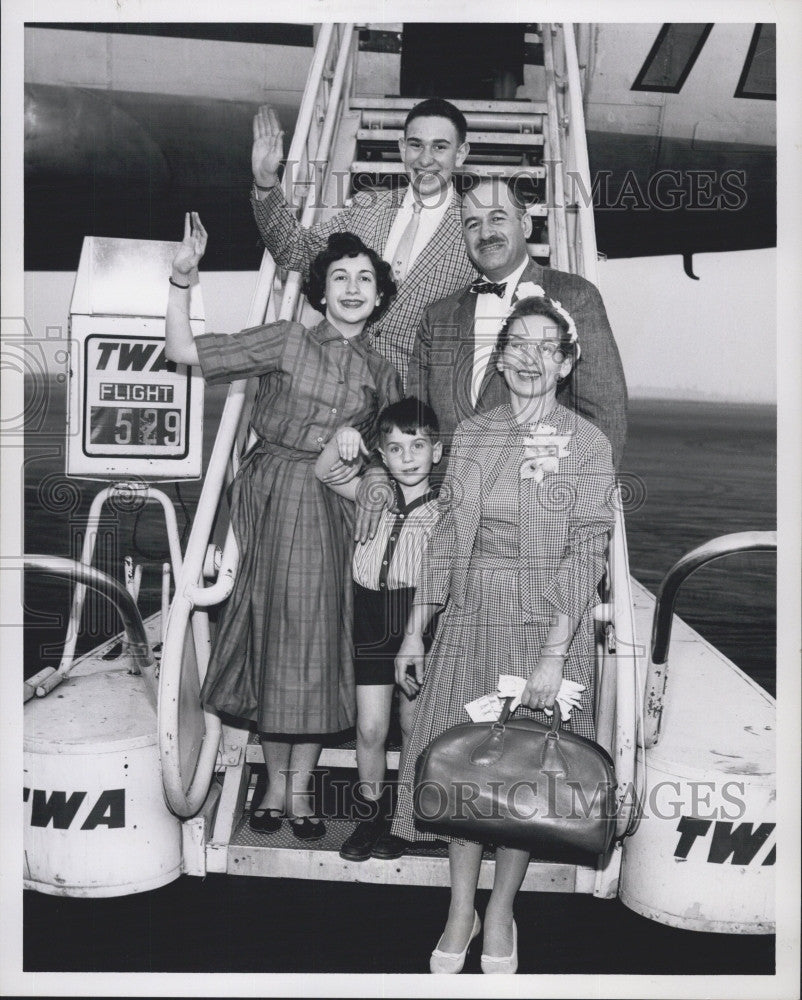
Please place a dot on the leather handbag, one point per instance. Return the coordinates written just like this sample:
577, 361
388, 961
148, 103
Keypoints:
519, 783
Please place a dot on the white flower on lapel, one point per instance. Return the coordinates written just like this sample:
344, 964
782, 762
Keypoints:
528, 290
543, 449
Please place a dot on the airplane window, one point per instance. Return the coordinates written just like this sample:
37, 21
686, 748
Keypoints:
759, 75
671, 58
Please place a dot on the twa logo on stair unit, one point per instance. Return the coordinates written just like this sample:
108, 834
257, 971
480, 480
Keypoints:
61, 809
727, 843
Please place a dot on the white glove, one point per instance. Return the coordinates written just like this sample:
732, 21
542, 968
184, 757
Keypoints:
569, 695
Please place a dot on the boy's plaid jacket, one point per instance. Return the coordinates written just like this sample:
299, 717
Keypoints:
441, 268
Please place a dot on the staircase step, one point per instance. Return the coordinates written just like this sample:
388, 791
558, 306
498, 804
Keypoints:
329, 757
343, 755
466, 107
476, 170
538, 249
474, 138
342, 154
282, 855
511, 123
481, 157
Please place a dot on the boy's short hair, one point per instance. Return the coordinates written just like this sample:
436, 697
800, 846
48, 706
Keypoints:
409, 415
436, 107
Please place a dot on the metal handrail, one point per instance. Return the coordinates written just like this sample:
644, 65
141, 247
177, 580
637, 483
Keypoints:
582, 258
292, 286
628, 694
578, 140
190, 594
333, 109
657, 672
147, 493
558, 234
137, 645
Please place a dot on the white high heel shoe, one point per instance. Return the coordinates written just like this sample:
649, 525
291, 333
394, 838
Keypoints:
453, 961
505, 965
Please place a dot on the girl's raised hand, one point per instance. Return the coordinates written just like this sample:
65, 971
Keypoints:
193, 245
350, 444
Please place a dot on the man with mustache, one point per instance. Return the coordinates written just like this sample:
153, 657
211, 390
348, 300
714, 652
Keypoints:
453, 364
416, 230
452, 367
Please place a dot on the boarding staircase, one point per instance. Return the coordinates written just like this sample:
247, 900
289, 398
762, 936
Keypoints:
506, 138
208, 768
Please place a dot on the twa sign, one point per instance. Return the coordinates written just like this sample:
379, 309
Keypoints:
132, 411
63, 810
136, 402
721, 843
131, 356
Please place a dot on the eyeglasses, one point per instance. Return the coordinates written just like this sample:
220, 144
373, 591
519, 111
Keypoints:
548, 348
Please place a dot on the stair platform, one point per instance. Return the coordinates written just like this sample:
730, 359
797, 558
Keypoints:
392, 135
467, 107
475, 169
342, 755
282, 855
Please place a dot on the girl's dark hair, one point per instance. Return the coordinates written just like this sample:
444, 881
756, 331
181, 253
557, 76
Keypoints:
538, 305
348, 245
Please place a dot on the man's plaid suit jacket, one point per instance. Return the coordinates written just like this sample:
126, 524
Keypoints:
441, 365
441, 268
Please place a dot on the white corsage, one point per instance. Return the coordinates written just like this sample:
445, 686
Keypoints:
543, 449
529, 290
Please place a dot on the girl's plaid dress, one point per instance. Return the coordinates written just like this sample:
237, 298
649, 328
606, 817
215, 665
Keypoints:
282, 652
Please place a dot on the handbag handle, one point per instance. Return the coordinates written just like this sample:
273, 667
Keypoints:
551, 742
556, 719
492, 746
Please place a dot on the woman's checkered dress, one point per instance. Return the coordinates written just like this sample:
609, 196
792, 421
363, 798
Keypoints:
282, 652
488, 635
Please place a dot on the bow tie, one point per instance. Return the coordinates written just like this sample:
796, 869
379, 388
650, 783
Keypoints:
489, 288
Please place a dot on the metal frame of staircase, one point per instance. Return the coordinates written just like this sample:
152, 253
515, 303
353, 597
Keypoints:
332, 65
339, 134
506, 140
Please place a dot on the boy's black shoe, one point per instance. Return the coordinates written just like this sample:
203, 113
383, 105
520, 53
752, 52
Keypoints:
388, 848
358, 846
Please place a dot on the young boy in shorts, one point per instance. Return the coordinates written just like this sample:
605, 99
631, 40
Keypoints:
385, 572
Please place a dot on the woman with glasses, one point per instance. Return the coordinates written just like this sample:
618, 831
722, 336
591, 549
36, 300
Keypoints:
515, 560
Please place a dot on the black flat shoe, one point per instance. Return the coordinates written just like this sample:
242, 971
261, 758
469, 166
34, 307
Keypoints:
265, 820
305, 828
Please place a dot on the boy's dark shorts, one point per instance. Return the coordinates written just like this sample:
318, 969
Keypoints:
380, 622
